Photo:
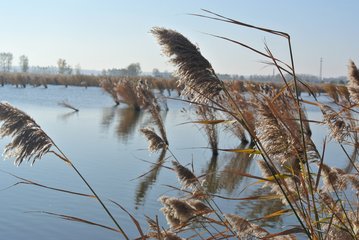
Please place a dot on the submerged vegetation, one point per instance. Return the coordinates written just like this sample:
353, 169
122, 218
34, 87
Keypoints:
271, 124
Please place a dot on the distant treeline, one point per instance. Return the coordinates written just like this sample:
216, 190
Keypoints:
277, 78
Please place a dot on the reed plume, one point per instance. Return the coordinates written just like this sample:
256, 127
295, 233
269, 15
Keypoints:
353, 84
148, 101
177, 211
333, 178
29, 141
186, 177
199, 207
339, 130
245, 229
195, 74
155, 142
274, 138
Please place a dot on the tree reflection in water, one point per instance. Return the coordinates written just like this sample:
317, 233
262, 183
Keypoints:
108, 116
127, 118
127, 123
147, 180
217, 178
65, 116
229, 178
238, 163
255, 209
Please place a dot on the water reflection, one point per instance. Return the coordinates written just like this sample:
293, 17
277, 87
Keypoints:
108, 116
127, 120
127, 123
240, 163
217, 179
255, 209
149, 179
66, 116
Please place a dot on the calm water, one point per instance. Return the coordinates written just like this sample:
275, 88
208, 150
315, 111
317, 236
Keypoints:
104, 143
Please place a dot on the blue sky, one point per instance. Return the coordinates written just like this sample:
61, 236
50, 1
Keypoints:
102, 34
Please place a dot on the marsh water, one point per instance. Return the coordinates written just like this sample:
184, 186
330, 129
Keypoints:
104, 143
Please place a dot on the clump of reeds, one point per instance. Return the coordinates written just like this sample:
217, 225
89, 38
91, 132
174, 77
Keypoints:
126, 92
109, 86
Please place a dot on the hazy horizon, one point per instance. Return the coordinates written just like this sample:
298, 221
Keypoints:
109, 34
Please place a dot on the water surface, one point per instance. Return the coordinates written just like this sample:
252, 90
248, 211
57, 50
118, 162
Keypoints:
104, 143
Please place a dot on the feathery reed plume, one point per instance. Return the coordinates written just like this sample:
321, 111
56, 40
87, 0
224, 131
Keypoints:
353, 84
177, 211
145, 95
199, 207
343, 93
245, 229
195, 73
273, 136
186, 177
148, 101
346, 228
338, 127
155, 142
354, 180
333, 178
29, 141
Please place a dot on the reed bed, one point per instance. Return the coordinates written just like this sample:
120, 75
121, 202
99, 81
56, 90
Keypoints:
322, 199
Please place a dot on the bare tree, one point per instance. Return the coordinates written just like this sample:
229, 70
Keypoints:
63, 67
24, 63
134, 69
6, 61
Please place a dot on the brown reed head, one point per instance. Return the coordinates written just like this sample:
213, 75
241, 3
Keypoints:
29, 141
339, 130
353, 84
194, 72
155, 142
245, 229
186, 177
